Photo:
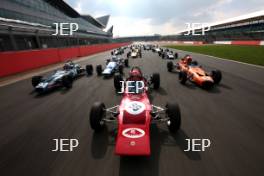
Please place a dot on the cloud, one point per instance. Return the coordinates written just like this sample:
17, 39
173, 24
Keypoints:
78, 7
125, 26
141, 17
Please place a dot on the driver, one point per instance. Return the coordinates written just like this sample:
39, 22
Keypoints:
187, 60
136, 75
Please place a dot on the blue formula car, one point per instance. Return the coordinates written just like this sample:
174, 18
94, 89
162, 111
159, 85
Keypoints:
113, 66
60, 78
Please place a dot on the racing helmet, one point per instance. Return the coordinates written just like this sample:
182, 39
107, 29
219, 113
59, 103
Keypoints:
135, 73
67, 66
188, 59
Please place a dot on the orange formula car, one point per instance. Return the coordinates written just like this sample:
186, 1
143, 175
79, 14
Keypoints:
190, 70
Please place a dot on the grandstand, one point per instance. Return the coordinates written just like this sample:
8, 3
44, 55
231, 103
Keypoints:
28, 24
247, 27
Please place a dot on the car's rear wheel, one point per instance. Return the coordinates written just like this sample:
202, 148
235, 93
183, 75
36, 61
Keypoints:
156, 80
182, 77
217, 76
97, 114
89, 69
170, 66
126, 62
118, 82
36, 80
99, 70
174, 114
67, 81
176, 55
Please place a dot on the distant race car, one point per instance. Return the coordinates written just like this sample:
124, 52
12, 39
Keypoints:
113, 65
156, 49
169, 55
135, 53
190, 70
60, 78
135, 114
147, 47
118, 51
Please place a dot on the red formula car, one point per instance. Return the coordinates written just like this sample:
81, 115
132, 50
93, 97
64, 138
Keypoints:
190, 70
135, 114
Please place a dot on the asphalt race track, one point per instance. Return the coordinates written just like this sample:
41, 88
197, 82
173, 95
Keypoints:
230, 115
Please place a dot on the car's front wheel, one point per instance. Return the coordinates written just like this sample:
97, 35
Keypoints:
36, 80
217, 76
97, 114
182, 77
121, 69
126, 62
99, 70
89, 69
170, 66
156, 80
118, 82
67, 81
174, 114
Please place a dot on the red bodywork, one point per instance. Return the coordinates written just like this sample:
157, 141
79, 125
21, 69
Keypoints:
134, 121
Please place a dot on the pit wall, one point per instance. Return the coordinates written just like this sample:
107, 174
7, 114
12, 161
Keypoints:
19, 61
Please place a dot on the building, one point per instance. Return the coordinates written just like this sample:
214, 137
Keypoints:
29, 24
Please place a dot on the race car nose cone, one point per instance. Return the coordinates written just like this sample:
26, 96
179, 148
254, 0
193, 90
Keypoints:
207, 85
132, 143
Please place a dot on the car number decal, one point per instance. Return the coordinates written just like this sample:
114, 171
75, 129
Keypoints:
133, 133
135, 107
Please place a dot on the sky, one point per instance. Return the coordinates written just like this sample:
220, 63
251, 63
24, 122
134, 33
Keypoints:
148, 17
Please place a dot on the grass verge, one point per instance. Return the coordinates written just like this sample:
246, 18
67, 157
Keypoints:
247, 54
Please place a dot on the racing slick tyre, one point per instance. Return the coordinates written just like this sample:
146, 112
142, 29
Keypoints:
67, 81
156, 80
97, 113
36, 80
118, 83
99, 70
89, 69
217, 76
128, 54
107, 61
174, 114
121, 69
194, 63
126, 62
176, 56
170, 66
163, 56
182, 77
